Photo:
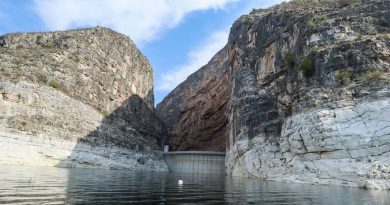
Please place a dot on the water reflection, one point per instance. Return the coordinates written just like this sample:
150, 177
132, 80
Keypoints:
249, 191
81, 186
107, 186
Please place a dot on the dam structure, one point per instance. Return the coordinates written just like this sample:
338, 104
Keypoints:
201, 162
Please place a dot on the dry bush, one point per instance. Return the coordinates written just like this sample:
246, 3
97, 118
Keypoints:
375, 76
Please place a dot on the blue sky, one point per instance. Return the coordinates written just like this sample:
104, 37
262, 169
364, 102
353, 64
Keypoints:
177, 36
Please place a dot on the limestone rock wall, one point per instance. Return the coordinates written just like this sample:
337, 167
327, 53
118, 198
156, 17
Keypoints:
81, 98
97, 66
326, 125
307, 86
194, 112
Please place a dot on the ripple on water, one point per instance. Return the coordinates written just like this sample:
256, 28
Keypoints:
45, 185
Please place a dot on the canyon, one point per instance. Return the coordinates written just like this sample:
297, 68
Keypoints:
300, 93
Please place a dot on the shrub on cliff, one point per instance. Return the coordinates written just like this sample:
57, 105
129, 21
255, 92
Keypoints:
105, 113
49, 45
55, 84
311, 24
289, 59
343, 76
41, 76
375, 76
247, 20
307, 67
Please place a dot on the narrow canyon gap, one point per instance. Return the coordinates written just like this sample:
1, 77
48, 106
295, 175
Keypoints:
300, 93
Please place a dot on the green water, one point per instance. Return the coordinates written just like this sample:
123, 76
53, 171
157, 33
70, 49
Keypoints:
41, 185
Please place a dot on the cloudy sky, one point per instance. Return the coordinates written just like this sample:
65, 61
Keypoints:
177, 36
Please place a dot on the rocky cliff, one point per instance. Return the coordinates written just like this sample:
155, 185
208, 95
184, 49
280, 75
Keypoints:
308, 96
81, 98
194, 112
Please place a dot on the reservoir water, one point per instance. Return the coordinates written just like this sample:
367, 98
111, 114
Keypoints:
47, 185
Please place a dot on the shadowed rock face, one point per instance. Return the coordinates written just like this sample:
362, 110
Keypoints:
194, 113
81, 98
308, 94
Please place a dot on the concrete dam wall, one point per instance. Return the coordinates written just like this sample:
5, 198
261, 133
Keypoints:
202, 162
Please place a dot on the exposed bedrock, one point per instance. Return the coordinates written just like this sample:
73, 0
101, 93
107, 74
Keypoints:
195, 112
310, 95
308, 92
343, 146
81, 98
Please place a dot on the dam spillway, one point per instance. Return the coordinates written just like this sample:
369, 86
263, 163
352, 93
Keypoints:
202, 162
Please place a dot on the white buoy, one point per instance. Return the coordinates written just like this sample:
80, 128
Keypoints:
180, 182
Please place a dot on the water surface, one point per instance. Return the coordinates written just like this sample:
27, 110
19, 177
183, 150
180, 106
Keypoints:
45, 185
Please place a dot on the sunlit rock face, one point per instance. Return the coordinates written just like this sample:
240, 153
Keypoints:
81, 98
327, 126
307, 94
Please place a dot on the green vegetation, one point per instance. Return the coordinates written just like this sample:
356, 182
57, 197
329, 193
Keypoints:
322, 17
247, 20
343, 76
41, 76
105, 113
55, 84
311, 24
49, 45
307, 67
343, 3
289, 59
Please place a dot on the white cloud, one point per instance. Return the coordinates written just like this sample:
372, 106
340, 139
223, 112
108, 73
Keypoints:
200, 55
197, 58
142, 20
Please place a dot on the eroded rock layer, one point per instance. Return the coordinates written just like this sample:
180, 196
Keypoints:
194, 112
81, 98
309, 94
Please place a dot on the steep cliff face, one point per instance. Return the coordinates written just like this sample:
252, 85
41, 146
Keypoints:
194, 112
81, 98
309, 96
